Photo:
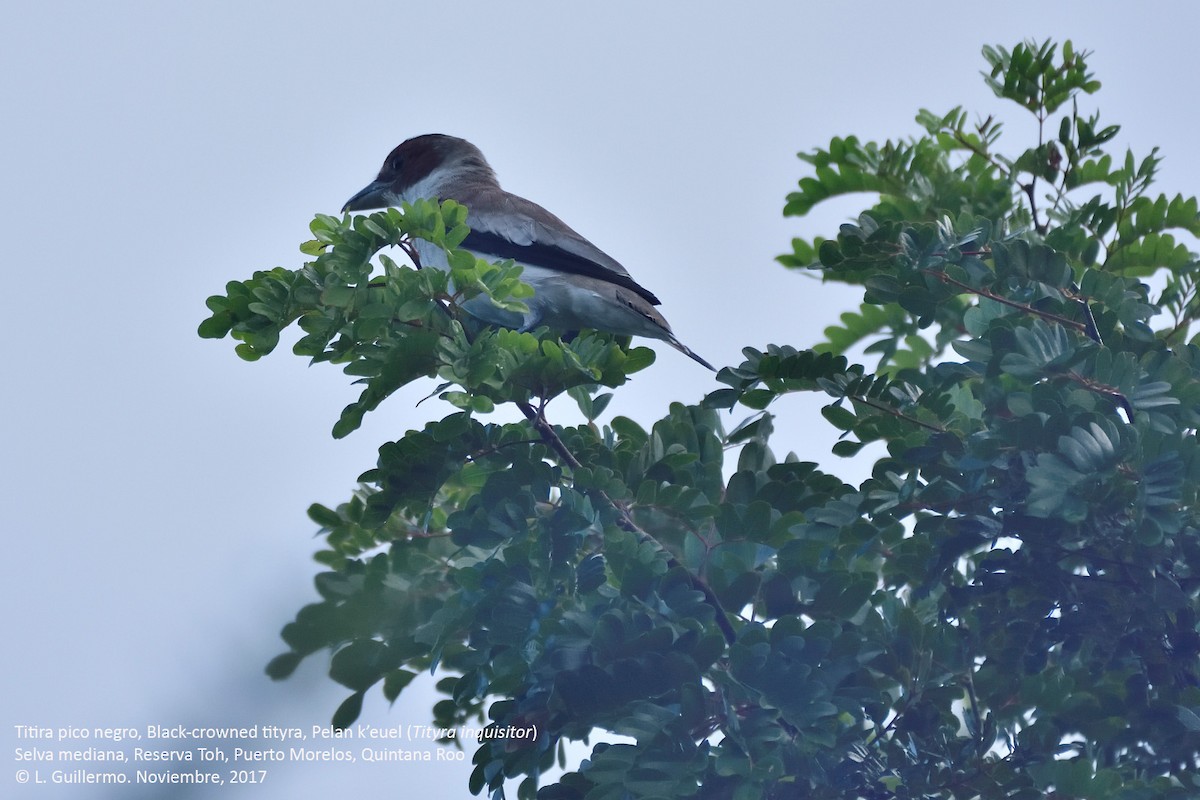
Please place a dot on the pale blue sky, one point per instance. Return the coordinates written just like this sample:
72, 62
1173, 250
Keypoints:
154, 485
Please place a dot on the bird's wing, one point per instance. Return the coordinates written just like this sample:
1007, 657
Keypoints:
506, 226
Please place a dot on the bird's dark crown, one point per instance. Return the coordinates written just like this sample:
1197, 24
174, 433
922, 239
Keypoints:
414, 159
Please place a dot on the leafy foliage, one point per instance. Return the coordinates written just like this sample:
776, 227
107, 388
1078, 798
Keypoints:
1007, 607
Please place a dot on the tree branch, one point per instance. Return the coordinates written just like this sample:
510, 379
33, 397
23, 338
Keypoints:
625, 520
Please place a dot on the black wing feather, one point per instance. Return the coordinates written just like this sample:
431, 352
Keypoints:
550, 257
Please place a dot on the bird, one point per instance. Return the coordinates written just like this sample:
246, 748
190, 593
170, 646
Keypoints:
575, 284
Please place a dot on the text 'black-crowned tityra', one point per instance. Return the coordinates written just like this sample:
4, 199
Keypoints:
576, 284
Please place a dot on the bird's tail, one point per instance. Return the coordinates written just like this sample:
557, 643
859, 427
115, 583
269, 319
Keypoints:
683, 348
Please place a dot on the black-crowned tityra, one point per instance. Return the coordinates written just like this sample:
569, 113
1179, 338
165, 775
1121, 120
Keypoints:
576, 284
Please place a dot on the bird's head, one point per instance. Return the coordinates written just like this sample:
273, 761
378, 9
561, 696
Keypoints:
423, 167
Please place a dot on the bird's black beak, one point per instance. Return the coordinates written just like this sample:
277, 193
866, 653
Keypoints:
371, 196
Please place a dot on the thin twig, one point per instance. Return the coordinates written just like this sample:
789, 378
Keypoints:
895, 413
1068, 323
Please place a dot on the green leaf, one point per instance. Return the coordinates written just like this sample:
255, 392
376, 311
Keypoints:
360, 664
395, 681
283, 665
348, 711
